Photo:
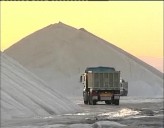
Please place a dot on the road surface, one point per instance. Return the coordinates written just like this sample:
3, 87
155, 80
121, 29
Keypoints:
133, 112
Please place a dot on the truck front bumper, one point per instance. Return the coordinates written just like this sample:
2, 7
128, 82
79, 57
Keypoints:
103, 98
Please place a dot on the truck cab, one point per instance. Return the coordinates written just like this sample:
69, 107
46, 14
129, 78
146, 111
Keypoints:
123, 87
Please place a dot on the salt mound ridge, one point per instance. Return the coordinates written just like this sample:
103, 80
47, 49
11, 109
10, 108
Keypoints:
25, 95
59, 54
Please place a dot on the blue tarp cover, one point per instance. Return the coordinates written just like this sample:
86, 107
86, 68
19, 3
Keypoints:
100, 69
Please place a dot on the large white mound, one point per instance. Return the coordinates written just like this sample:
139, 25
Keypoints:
59, 54
25, 95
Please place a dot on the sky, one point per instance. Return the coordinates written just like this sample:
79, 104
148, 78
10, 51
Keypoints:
136, 27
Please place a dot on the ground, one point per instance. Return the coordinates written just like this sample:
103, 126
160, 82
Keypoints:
133, 112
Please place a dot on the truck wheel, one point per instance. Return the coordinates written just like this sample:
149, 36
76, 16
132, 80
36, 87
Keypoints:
92, 102
126, 93
85, 102
107, 102
116, 102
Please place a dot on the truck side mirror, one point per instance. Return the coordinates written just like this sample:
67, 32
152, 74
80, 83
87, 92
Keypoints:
83, 78
80, 78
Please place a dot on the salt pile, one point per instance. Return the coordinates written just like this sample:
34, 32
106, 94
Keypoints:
25, 95
59, 54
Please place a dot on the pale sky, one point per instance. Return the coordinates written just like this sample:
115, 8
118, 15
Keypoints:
136, 27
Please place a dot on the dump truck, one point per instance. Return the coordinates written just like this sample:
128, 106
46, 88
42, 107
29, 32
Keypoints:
123, 87
101, 84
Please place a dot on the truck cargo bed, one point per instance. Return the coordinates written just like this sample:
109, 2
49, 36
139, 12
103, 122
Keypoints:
104, 81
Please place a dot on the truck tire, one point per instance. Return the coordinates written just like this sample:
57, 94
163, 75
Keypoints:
126, 93
108, 102
94, 102
85, 97
91, 102
85, 102
116, 102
